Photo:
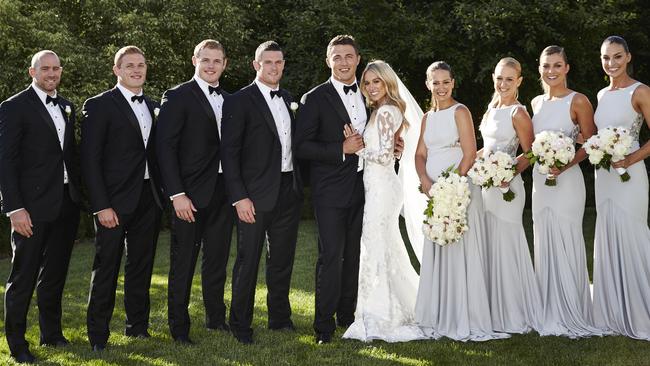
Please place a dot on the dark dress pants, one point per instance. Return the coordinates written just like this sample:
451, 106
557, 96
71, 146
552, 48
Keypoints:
280, 227
40, 261
212, 231
138, 232
337, 268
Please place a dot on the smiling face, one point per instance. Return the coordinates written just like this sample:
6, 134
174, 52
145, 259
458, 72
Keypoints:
553, 70
614, 59
47, 72
131, 72
209, 65
506, 81
374, 87
343, 60
269, 68
441, 85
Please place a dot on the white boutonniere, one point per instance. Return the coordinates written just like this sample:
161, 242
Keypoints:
294, 107
156, 112
68, 110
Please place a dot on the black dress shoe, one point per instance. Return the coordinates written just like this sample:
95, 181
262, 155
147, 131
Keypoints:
61, 342
244, 339
99, 347
184, 340
223, 327
24, 357
322, 338
141, 335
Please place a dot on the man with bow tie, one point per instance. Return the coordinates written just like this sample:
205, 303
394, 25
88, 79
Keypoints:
264, 185
39, 188
189, 153
121, 173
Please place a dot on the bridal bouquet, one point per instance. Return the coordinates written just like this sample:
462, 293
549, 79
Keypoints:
493, 169
551, 150
610, 145
445, 219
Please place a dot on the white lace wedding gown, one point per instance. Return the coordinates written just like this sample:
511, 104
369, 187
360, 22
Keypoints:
622, 238
387, 281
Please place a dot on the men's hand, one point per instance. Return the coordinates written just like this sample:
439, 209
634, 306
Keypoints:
353, 141
21, 223
399, 146
184, 208
108, 218
246, 210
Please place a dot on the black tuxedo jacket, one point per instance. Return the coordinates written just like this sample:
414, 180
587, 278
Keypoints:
31, 158
113, 153
252, 162
189, 147
319, 139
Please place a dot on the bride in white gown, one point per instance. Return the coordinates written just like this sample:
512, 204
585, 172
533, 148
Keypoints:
387, 280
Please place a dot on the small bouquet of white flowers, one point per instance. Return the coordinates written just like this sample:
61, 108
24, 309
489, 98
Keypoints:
492, 170
445, 219
551, 150
610, 145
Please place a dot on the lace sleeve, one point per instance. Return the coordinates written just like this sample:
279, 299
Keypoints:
387, 125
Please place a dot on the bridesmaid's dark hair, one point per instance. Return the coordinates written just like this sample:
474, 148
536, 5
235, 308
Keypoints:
617, 40
438, 65
552, 50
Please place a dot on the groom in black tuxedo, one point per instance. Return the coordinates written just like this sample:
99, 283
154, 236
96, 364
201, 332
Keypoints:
190, 154
264, 185
121, 172
336, 182
39, 189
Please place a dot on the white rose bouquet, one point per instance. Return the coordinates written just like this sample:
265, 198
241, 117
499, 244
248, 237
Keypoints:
445, 219
551, 150
610, 145
492, 170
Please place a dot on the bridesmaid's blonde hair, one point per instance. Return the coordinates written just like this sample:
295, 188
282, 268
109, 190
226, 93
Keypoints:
510, 62
389, 78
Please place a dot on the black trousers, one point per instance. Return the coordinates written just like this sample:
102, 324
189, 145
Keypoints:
212, 231
40, 261
280, 227
337, 268
138, 232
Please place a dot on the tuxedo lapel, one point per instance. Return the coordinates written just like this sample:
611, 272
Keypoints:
42, 111
63, 104
287, 102
336, 102
126, 109
205, 104
260, 103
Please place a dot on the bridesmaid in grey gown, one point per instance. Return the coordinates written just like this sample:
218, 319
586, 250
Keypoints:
512, 287
560, 259
622, 237
452, 296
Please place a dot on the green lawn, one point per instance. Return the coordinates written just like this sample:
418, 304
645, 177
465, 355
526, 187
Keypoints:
286, 348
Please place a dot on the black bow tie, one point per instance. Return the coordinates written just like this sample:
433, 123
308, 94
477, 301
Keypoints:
214, 89
275, 93
49, 99
346, 88
138, 98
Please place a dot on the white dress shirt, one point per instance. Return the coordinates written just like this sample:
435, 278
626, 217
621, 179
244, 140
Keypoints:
355, 106
216, 102
282, 120
143, 115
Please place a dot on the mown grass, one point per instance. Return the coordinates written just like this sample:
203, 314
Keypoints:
289, 348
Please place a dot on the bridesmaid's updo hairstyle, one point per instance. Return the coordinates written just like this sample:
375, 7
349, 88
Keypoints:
438, 65
548, 51
510, 62
389, 78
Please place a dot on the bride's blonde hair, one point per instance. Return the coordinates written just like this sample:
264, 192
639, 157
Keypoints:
386, 74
